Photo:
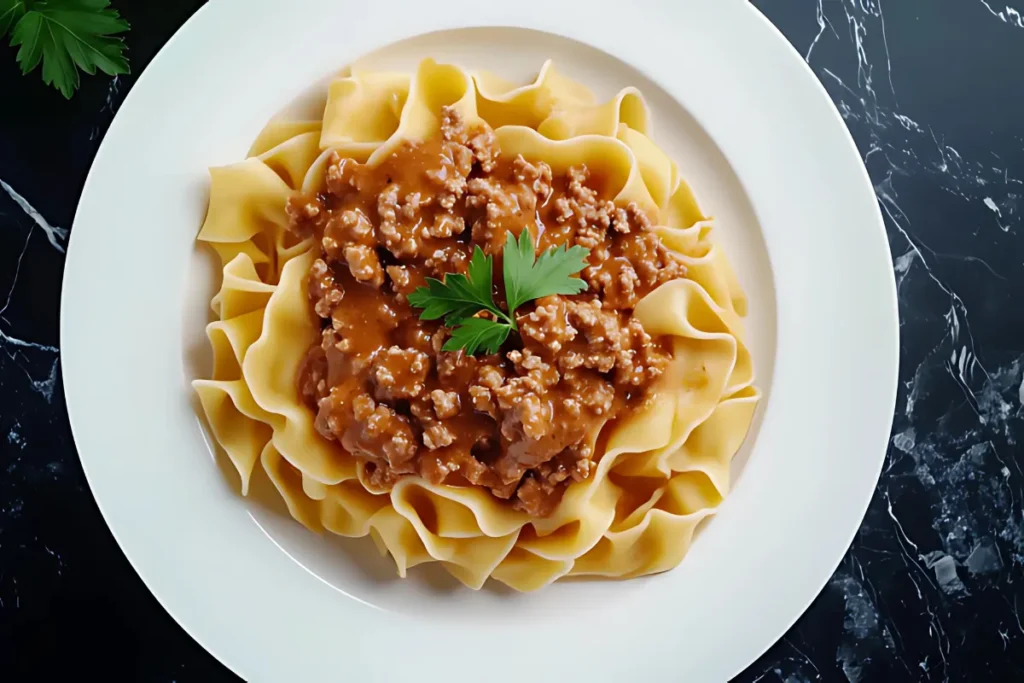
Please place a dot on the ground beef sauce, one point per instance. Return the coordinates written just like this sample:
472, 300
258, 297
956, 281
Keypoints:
521, 422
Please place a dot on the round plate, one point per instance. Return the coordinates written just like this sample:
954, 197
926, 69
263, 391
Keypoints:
767, 155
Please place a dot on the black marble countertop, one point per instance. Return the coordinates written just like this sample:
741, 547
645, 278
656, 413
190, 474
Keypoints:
932, 588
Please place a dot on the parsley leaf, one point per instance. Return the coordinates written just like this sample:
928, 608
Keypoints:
460, 297
10, 12
66, 36
527, 279
474, 334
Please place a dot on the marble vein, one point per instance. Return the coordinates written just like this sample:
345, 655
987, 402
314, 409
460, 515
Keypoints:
14, 347
817, 673
54, 234
908, 123
888, 59
904, 541
109, 106
966, 178
864, 69
823, 21
1016, 615
957, 307
1008, 15
991, 206
20, 343
17, 270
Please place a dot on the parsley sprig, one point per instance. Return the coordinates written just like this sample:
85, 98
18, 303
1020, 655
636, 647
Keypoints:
66, 36
459, 299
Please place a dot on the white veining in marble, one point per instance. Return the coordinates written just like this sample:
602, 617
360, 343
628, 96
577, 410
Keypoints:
822, 23
17, 271
109, 106
1008, 14
908, 123
19, 350
56, 235
991, 205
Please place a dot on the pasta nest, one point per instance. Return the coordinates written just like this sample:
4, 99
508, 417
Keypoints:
659, 473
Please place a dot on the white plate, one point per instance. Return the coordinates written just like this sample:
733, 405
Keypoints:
767, 155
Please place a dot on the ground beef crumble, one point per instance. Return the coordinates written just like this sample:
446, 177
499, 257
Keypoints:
521, 422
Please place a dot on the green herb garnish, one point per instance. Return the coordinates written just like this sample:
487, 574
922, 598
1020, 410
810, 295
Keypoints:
67, 36
459, 298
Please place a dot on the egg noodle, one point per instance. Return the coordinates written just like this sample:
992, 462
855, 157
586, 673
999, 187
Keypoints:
658, 472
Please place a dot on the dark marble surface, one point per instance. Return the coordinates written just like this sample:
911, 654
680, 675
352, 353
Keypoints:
932, 588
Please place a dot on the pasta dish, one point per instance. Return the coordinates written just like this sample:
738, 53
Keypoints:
483, 323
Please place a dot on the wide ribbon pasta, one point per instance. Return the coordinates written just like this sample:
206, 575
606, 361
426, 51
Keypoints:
659, 472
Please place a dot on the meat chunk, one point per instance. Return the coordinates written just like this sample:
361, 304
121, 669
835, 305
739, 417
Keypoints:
489, 379
394, 229
453, 128
437, 436
446, 225
364, 265
446, 403
352, 227
399, 373
524, 413
537, 176
305, 214
378, 430
484, 144
343, 175
324, 290
548, 324
502, 209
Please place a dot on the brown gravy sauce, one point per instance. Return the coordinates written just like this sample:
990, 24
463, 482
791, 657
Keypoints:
520, 423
